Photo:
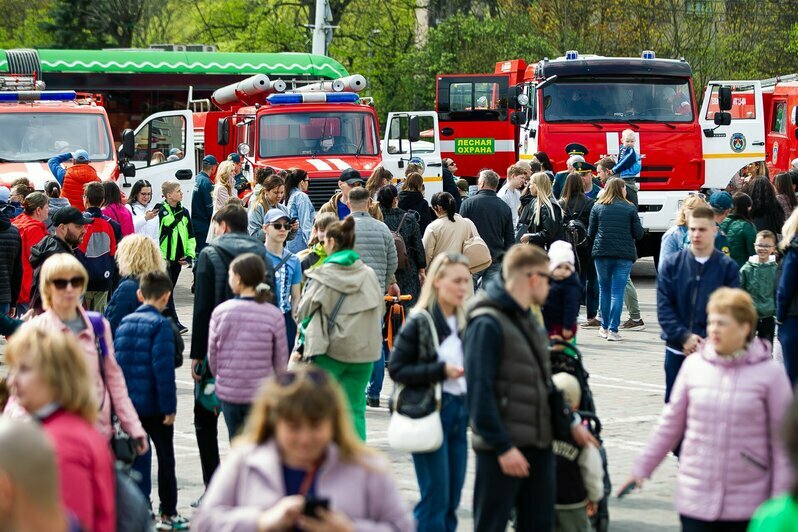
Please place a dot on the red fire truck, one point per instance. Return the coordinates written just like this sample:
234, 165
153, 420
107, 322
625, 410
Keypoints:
322, 127
492, 120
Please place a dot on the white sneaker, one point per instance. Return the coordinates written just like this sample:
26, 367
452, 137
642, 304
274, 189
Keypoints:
613, 337
602, 332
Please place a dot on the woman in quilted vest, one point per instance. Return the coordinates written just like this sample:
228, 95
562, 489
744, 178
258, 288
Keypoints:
341, 318
726, 408
246, 340
429, 352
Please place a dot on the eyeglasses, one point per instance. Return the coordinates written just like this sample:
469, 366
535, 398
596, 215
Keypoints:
698, 194
75, 282
281, 226
316, 376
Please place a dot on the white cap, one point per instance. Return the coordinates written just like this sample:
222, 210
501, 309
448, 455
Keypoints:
560, 251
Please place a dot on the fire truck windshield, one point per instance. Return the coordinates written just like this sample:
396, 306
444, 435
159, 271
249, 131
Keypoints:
610, 99
316, 133
28, 137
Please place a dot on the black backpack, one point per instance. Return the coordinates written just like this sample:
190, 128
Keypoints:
574, 230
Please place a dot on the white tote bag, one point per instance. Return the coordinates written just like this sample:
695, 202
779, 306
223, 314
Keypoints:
418, 435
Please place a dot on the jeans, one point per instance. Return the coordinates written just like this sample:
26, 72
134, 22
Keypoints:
374, 389
441, 473
495, 269
612, 276
290, 331
162, 437
234, 417
207, 431
496, 494
673, 363
788, 337
696, 525
630, 300
353, 378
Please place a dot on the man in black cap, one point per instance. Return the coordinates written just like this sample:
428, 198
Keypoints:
240, 181
202, 202
576, 153
338, 204
69, 229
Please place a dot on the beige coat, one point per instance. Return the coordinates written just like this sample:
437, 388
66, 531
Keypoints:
356, 335
445, 236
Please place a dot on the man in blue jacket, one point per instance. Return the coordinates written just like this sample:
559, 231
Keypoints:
202, 201
684, 283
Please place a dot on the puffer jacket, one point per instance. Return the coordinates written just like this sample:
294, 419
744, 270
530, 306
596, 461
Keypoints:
114, 387
76, 177
122, 216
31, 231
614, 229
741, 235
10, 262
759, 280
727, 412
246, 345
374, 244
123, 301
145, 350
356, 333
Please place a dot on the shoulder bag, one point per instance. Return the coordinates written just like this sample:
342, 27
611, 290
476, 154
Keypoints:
477, 252
417, 432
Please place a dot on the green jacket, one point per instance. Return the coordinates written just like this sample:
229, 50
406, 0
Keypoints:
759, 280
741, 235
776, 515
176, 228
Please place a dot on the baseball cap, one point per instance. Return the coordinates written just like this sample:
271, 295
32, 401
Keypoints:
721, 201
236, 158
174, 151
209, 159
81, 156
69, 215
5, 193
275, 214
350, 176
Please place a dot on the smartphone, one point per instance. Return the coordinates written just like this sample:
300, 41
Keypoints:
627, 490
157, 206
312, 505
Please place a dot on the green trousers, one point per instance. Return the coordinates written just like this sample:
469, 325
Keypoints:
353, 378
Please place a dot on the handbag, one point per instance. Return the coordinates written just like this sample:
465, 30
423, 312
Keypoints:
414, 429
478, 254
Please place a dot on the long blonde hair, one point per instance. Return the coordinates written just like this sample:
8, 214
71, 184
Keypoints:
61, 364
224, 175
545, 194
613, 190
138, 254
689, 204
303, 395
429, 295
789, 230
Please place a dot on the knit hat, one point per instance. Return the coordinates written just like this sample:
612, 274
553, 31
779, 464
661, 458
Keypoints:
559, 252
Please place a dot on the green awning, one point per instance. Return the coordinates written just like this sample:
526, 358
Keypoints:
158, 62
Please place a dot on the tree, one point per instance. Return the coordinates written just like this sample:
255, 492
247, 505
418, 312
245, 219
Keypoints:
97, 23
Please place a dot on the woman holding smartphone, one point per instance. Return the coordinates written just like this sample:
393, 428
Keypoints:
145, 214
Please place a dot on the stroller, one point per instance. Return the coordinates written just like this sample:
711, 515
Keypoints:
566, 357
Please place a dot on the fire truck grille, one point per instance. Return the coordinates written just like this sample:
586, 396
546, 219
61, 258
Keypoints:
321, 189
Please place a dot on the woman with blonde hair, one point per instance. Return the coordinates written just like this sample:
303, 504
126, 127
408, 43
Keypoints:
49, 378
429, 352
614, 227
297, 450
674, 238
62, 284
730, 383
540, 221
270, 197
223, 191
136, 255
787, 296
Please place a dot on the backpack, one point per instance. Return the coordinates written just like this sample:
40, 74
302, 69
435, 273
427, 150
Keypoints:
401, 246
574, 230
96, 257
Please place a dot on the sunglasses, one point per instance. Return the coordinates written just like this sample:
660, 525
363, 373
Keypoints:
316, 376
75, 282
279, 226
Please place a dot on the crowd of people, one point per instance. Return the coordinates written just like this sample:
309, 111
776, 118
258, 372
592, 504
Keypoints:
289, 344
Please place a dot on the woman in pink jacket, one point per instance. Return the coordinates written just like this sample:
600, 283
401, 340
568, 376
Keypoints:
115, 210
49, 377
246, 340
299, 464
726, 407
62, 283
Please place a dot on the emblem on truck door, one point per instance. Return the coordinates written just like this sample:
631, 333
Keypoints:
737, 142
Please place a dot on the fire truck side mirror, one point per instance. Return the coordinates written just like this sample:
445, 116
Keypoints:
724, 99
516, 98
128, 144
413, 129
223, 132
517, 118
722, 118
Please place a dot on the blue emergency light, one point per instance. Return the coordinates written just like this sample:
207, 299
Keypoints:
31, 96
648, 54
313, 97
571, 55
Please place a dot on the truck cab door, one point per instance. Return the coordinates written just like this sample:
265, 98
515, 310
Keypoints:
529, 126
729, 147
400, 148
159, 134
